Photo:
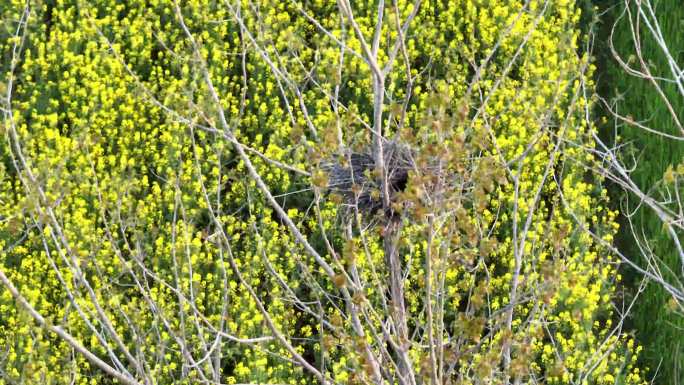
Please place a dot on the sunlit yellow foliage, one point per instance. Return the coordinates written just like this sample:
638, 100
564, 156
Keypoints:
112, 113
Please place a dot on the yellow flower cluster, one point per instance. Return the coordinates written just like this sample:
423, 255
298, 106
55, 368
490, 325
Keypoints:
115, 122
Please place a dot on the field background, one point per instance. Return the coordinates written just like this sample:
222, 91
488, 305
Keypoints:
658, 329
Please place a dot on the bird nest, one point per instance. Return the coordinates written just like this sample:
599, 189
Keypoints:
353, 176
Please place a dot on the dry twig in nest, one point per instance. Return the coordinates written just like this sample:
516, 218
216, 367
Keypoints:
354, 177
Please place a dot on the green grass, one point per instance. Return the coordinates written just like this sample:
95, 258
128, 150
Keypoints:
660, 331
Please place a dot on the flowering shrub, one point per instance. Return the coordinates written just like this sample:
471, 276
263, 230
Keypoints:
163, 201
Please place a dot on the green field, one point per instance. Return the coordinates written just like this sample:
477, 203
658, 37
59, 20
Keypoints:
658, 329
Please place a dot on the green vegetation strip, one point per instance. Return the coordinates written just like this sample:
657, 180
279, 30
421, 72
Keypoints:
658, 328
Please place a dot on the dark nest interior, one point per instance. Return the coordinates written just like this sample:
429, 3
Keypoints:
353, 176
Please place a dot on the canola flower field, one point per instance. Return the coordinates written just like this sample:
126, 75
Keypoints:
167, 215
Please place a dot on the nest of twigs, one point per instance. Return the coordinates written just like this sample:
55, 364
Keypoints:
353, 176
